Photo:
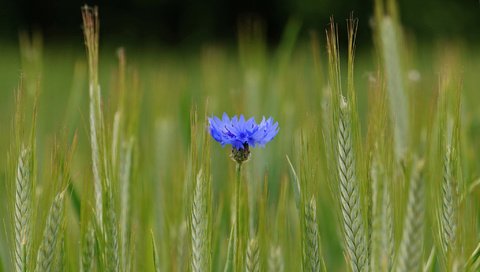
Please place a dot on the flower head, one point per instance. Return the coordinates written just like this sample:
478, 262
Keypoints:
241, 133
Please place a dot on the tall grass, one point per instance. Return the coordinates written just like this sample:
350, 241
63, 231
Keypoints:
130, 179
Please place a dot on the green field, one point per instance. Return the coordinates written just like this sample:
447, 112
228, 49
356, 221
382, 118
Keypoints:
375, 167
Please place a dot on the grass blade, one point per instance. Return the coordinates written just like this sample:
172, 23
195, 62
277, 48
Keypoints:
156, 261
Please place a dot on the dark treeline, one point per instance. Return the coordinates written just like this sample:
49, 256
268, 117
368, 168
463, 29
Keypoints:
174, 22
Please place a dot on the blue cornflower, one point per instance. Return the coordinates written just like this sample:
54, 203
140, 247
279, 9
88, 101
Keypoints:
241, 133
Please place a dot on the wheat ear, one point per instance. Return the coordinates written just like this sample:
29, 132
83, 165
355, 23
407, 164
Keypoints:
23, 203
200, 242
253, 256
111, 231
411, 245
88, 249
48, 246
311, 252
355, 240
382, 224
449, 205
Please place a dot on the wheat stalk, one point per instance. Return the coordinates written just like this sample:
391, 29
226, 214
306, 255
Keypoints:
382, 223
275, 260
411, 246
111, 232
60, 259
253, 256
23, 203
375, 221
47, 248
124, 179
91, 33
355, 239
237, 241
388, 243
88, 249
396, 91
200, 254
311, 251
449, 205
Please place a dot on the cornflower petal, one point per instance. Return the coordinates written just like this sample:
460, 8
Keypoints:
242, 133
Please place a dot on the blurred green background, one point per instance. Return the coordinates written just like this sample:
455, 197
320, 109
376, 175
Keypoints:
188, 51
191, 22
252, 57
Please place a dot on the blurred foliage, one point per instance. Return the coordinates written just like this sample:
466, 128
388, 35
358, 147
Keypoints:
285, 81
189, 21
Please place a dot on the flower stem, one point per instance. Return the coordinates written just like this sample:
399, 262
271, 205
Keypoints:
238, 251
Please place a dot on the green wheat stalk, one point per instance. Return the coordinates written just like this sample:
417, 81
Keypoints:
355, 240
125, 179
200, 248
387, 236
411, 245
23, 205
395, 88
311, 248
382, 221
61, 258
91, 34
88, 249
51, 233
237, 241
449, 204
111, 231
253, 256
